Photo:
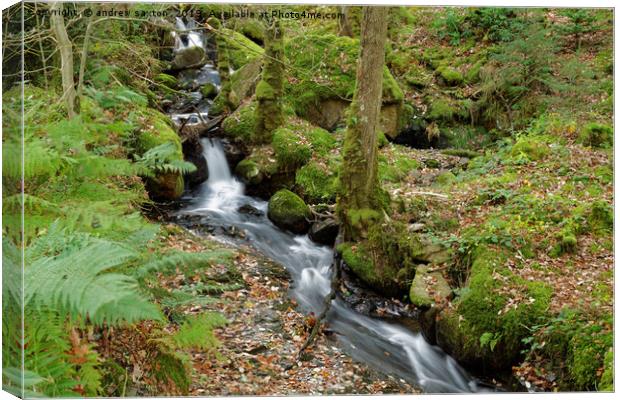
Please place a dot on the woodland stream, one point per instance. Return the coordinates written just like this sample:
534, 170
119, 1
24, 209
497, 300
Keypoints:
388, 347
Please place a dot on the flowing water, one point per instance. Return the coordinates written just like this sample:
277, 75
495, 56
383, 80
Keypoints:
385, 346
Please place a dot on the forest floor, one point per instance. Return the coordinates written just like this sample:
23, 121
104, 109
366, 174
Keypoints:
259, 344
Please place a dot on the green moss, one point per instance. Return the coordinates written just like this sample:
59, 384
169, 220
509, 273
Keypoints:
601, 217
530, 149
264, 91
441, 109
156, 129
445, 178
396, 167
587, 350
381, 139
596, 135
208, 91
322, 141
450, 76
288, 211
484, 308
357, 257
240, 125
167, 80
324, 68
238, 48
473, 74
607, 379
291, 149
249, 171
317, 182
461, 153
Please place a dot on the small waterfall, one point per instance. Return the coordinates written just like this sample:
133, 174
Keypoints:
387, 347
186, 37
216, 160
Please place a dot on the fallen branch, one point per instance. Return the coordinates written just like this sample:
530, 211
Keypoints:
442, 196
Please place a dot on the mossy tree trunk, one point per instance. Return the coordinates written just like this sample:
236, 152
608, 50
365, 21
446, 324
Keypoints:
269, 114
360, 202
223, 59
66, 57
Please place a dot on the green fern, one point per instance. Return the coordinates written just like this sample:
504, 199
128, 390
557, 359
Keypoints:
197, 332
164, 158
76, 281
39, 160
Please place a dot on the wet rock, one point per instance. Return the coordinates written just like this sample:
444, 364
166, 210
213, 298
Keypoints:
192, 151
248, 172
324, 232
233, 231
234, 153
250, 210
288, 211
165, 187
189, 57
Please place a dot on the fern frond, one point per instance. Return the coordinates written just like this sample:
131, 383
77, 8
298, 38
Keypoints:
32, 204
75, 281
165, 158
39, 160
197, 331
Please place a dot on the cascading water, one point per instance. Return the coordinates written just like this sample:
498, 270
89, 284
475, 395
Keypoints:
387, 347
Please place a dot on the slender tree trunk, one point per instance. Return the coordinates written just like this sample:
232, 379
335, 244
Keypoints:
360, 195
344, 23
269, 90
66, 57
84, 54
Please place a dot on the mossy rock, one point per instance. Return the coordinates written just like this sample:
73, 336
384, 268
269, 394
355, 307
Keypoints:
156, 130
241, 124
208, 91
252, 28
288, 211
473, 73
243, 82
596, 135
167, 80
481, 331
237, 47
529, 148
165, 187
427, 286
332, 62
291, 149
249, 172
450, 76
445, 178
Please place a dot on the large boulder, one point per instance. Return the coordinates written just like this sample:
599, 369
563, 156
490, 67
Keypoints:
324, 232
288, 211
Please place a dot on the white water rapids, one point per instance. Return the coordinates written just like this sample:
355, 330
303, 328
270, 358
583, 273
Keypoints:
386, 347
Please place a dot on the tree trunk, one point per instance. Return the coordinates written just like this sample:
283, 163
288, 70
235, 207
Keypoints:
66, 57
269, 90
344, 24
360, 197
84, 54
